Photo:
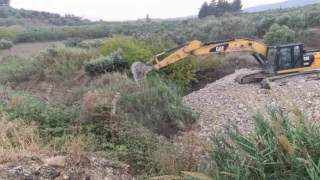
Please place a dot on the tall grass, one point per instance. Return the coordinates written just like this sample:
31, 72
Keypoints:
18, 139
280, 148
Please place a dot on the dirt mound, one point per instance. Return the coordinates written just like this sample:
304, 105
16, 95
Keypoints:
226, 101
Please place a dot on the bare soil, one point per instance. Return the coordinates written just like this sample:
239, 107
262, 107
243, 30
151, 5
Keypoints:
25, 49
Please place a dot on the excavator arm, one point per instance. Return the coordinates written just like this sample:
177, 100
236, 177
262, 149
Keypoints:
258, 50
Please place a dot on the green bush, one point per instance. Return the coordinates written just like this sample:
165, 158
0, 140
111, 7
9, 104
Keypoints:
134, 50
4, 44
183, 72
78, 43
114, 62
73, 42
279, 148
158, 45
280, 35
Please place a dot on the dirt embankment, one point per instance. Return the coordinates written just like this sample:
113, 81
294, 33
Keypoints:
226, 101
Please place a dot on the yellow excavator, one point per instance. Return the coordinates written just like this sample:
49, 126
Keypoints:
281, 63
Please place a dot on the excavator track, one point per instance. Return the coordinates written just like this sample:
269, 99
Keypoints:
251, 77
293, 77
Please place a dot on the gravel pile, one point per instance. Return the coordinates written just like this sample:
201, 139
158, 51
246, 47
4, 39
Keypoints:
226, 101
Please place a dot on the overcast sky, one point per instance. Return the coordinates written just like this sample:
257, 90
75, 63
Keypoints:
113, 10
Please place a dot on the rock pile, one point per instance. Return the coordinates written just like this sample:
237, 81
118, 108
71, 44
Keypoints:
226, 101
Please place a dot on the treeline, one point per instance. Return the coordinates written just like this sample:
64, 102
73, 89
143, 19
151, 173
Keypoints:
9, 16
25, 34
289, 24
219, 8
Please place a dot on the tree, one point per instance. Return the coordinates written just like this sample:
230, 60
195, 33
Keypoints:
280, 35
213, 6
219, 8
4, 3
222, 7
204, 10
236, 5
148, 20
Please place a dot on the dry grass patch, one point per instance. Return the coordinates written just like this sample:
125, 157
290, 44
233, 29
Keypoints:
96, 105
18, 139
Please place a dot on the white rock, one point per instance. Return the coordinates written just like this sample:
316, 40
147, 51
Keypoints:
56, 161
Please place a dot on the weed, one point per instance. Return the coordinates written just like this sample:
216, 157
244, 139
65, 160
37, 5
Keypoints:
52, 121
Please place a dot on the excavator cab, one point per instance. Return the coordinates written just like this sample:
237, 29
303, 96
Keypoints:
284, 57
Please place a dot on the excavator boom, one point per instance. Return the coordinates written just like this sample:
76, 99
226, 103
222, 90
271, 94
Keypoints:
258, 49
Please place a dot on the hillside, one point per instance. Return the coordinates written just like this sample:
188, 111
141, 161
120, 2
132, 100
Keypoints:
285, 4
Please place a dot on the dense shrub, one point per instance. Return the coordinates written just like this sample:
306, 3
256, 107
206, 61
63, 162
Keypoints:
183, 72
157, 45
73, 42
114, 62
134, 50
4, 44
280, 35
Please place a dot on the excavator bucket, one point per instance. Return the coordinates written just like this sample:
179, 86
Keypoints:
139, 71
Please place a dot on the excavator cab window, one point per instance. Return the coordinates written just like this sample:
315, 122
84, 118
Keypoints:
289, 57
285, 58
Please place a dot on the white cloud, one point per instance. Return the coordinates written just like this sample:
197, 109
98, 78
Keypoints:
122, 9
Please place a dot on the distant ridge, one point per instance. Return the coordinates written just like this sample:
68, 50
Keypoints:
285, 4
